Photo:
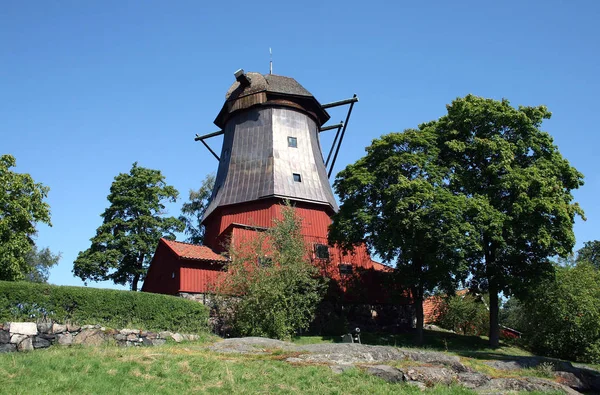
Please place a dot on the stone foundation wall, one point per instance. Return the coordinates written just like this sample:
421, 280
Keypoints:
26, 336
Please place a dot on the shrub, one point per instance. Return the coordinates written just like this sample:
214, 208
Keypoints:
466, 314
563, 315
21, 301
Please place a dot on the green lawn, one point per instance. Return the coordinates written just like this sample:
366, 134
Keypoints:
190, 368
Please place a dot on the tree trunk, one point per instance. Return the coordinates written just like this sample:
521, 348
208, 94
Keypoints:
134, 282
494, 309
418, 298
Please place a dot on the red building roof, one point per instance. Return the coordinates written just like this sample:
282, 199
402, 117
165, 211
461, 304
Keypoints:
193, 252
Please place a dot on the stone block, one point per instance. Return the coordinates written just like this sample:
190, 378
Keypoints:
388, 373
132, 337
177, 337
8, 348
4, 337
25, 345
40, 342
16, 339
165, 335
153, 342
23, 328
58, 328
73, 328
431, 375
129, 331
90, 337
65, 339
120, 337
44, 327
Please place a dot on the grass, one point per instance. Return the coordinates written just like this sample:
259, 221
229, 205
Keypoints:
190, 368
175, 369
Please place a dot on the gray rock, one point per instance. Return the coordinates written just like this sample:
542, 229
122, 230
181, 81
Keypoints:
88, 327
4, 337
525, 384
190, 337
23, 328
120, 337
387, 373
73, 328
571, 380
339, 369
430, 375
153, 342
58, 328
25, 345
177, 337
40, 342
90, 337
132, 337
8, 348
472, 379
65, 339
129, 332
16, 339
165, 335
44, 327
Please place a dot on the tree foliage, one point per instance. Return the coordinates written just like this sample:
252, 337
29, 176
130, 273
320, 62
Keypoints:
22, 206
132, 225
498, 155
466, 314
40, 262
193, 211
590, 252
271, 288
563, 314
395, 200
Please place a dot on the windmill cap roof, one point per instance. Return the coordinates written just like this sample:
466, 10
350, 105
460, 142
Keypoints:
269, 83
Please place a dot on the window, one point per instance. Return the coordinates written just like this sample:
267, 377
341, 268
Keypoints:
297, 177
345, 269
292, 142
321, 251
173, 275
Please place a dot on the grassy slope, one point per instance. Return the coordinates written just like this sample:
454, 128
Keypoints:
177, 368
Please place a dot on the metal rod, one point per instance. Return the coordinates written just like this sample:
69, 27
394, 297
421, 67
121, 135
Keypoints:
341, 102
337, 134
211, 151
336, 126
206, 136
337, 150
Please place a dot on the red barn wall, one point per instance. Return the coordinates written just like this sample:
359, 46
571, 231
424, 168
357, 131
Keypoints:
160, 275
198, 277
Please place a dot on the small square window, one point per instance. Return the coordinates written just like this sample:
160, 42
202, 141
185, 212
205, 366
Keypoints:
345, 269
321, 251
297, 177
292, 142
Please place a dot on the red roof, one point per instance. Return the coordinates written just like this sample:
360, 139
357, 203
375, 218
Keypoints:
193, 251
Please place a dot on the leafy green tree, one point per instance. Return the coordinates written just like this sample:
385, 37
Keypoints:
590, 252
271, 288
563, 314
193, 211
123, 245
498, 155
22, 206
395, 200
40, 262
512, 314
466, 314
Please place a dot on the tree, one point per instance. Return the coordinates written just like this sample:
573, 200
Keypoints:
466, 314
22, 206
274, 287
395, 200
590, 252
193, 211
498, 155
132, 225
563, 314
40, 262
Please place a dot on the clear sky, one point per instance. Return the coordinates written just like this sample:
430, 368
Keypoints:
89, 87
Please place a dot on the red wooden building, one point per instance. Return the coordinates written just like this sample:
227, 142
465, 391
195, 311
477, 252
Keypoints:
271, 152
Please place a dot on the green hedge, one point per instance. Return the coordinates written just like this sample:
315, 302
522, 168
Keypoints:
23, 301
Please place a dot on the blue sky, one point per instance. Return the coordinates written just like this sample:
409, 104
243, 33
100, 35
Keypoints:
89, 87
